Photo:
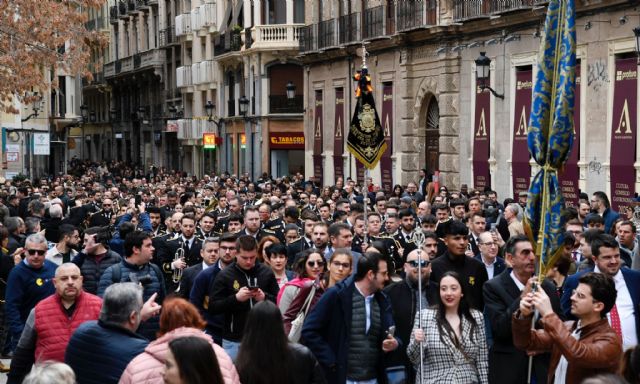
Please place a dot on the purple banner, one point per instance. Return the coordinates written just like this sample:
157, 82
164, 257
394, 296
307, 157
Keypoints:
338, 134
623, 133
569, 178
387, 126
520, 168
481, 135
359, 173
317, 138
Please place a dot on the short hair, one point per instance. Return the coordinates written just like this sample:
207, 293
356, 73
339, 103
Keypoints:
291, 212
228, 237
629, 223
335, 229
404, 213
430, 235
210, 240
35, 206
602, 196
134, 239
356, 208
120, 299
4, 234
510, 246
55, 211
603, 289
590, 234
35, 238
457, 228
12, 223
594, 218
456, 202
370, 261
440, 207
573, 222
291, 227
428, 219
563, 264
126, 228
603, 240
235, 218
275, 249
155, 210
65, 230
50, 372
178, 312
246, 243
188, 217
251, 208
32, 223
308, 214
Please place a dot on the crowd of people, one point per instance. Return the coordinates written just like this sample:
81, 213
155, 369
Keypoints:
112, 275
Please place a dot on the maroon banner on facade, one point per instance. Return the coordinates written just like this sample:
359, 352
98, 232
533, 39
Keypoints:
317, 138
359, 173
481, 135
571, 175
387, 127
520, 168
338, 134
623, 133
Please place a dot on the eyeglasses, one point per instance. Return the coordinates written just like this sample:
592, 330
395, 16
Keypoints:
315, 263
422, 264
338, 264
106, 205
40, 252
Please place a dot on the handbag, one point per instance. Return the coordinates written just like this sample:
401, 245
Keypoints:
296, 324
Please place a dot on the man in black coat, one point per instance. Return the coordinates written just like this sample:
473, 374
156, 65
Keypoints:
209, 254
404, 303
103, 217
502, 294
310, 219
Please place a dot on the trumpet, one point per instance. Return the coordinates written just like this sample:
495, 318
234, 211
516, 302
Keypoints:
177, 273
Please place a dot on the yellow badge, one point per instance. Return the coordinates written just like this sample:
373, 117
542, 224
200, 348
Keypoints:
39, 282
236, 285
472, 280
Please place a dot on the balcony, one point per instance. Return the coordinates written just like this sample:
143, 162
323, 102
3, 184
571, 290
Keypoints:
153, 58
349, 28
227, 42
470, 9
168, 36
275, 36
122, 9
113, 14
373, 22
137, 59
183, 24
131, 6
327, 34
203, 18
281, 104
307, 38
142, 4
203, 72
502, 6
183, 76
411, 15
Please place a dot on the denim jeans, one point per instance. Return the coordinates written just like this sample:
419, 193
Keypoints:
231, 347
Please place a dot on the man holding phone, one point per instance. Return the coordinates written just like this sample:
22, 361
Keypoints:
237, 288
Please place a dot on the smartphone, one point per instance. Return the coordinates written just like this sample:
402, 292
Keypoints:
253, 285
138, 199
391, 331
493, 227
534, 287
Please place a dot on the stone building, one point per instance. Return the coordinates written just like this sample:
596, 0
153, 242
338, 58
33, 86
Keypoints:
422, 62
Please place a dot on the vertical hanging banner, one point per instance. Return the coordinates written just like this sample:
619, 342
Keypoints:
520, 168
481, 135
623, 133
338, 134
387, 130
317, 138
570, 177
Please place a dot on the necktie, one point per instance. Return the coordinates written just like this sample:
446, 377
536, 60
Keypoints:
615, 321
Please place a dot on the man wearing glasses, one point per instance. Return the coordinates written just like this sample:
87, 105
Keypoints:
102, 217
29, 282
404, 297
489, 255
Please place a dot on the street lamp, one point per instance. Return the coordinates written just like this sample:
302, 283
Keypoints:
173, 111
113, 114
244, 105
84, 110
291, 90
209, 107
483, 72
92, 116
37, 104
141, 113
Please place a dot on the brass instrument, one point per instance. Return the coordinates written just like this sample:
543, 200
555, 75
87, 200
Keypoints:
177, 273
213, 204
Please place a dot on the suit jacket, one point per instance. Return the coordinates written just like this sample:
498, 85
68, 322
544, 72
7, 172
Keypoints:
167, 254
407, 246
631, 278
294, 249
100, 219
474, 245
188, 277
506, 363
498, 267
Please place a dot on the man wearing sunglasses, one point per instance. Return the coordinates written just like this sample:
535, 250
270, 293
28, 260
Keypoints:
404, 297
29, 282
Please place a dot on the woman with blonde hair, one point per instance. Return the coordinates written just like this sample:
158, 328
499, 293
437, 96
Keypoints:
178, 319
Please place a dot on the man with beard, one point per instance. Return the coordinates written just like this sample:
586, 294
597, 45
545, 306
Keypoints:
407, 226
157, 228
190, 245
405, 299
102, 217
472, 272
52, 322
64, 250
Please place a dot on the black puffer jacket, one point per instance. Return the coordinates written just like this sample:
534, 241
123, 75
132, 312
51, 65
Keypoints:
92, 270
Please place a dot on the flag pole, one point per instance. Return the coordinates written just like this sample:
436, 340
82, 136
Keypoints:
366, 169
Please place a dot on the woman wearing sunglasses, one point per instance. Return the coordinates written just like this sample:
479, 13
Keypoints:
308, 268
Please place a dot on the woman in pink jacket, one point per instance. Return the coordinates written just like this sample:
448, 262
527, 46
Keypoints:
179, 318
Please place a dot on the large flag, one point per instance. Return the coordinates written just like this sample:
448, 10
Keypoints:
551, 130
366, 139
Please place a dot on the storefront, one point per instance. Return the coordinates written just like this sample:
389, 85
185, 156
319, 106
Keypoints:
287, 153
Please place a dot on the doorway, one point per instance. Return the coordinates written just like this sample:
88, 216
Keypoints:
432, 136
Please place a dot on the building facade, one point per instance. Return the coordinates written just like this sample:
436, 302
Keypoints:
422, 62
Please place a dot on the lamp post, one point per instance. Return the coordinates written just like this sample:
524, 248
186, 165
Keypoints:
483, 74
36, 105
291, 91
113, 116
84, 114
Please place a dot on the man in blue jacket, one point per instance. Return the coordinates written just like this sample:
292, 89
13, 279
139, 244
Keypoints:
29, 282
349, 329
623, 317
99, 351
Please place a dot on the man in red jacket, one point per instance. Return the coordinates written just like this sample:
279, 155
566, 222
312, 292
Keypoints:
52, 322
